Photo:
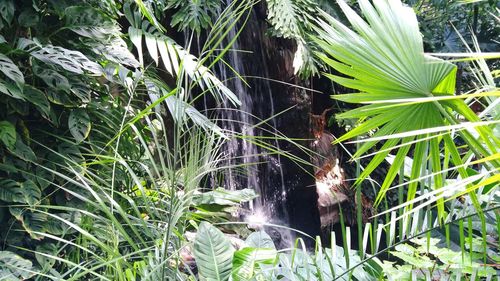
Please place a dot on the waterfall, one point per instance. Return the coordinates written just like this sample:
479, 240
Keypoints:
261, 170
287, 196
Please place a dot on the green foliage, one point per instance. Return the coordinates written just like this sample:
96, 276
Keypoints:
193, 14
260, 250
293, 19
429, 259
224, 197
103, 156
247, 260
287, 17
79, 124
397, 86
46, 85
72, 93
442, 23
213, 253
14, 267
8, 134
409, 106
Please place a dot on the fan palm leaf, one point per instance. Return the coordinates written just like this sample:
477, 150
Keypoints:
404, 92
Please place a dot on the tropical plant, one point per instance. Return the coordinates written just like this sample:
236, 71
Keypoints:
293, 19
74, 98
48, 86
109, 172
440, 20
396, 86
427, 260
258, 259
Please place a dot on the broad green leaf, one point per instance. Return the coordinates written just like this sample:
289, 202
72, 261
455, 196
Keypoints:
34, 222
11, 90
31, 192
213, 253
14, 192
7, 10
90, 22
259, 239
17, 212
81, 91
418, 261
70, 60
14, 267
247, 260
10, 191
11, 70
52, 78
79, 124
118, 52
23, 151
61, 98
8, 134
41, 253
39, 99
224, 197
28, 18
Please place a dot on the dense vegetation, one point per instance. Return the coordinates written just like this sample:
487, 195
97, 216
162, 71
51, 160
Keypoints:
105, 156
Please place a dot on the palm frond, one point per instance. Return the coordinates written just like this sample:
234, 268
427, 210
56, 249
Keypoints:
369, 59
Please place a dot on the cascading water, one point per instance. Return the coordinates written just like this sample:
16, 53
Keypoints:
286, 187
261, 170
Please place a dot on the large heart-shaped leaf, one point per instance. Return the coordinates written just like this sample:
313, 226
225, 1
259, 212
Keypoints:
10, 191
14, 267
79, 124
213, 253
11, 70
52, 78
7, 10
39, 99
70, 60
89, 22
14, 192
8, 134
23, 151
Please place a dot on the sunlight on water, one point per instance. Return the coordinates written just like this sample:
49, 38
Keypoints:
257, 219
